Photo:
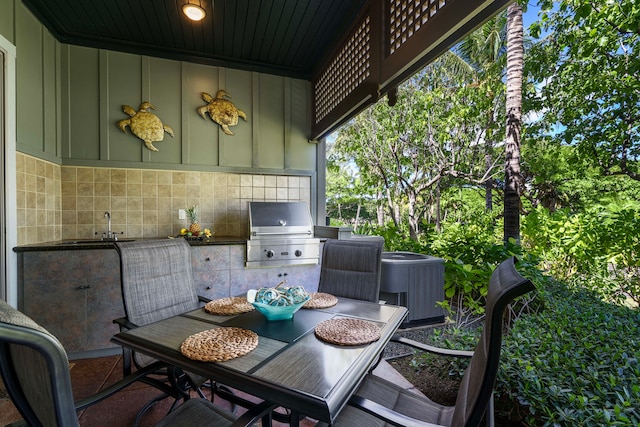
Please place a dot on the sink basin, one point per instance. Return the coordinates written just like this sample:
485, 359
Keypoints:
92, 242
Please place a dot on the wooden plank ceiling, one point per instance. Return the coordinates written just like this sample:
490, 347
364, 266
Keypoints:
352, 51
281, 37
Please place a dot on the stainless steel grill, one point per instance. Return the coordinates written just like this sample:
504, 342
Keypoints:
281, 233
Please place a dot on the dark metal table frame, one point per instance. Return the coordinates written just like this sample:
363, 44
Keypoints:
290, 366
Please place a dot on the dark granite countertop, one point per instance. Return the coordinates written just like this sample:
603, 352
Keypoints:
76, 244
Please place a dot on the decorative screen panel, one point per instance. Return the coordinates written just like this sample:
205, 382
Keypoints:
395, 40
349, 69
407, 17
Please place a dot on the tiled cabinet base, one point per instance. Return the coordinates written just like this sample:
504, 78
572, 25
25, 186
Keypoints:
75, 294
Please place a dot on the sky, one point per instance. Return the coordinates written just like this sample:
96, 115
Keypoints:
531, 14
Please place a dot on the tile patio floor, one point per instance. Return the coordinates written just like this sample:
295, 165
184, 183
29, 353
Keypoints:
88, 376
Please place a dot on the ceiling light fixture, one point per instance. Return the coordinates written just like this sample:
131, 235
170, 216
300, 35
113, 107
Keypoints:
193, 12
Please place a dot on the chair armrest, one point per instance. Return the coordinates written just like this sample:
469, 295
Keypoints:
203, 299
124, 323
386, 414
430, 348
255, 413
123, 383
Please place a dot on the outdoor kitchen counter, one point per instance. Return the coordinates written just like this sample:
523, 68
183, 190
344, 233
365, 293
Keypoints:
82, 282
77, 244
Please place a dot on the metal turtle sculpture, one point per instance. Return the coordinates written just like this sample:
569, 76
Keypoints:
221, 110
144, 124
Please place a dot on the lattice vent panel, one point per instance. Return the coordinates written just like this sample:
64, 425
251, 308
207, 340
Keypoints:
406, 17
347, 71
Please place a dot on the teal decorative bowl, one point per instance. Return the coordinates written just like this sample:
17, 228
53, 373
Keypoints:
275, 312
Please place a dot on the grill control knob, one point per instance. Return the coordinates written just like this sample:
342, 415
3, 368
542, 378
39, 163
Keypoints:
298, 253
270, 254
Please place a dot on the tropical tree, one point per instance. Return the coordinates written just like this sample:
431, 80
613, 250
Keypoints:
587, 67
348, 201
515, 64
435, 130
484, 52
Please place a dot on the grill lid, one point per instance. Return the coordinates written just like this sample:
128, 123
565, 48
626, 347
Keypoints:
286, 219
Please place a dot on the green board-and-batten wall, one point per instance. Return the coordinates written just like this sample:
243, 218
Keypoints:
37, 76
70, 99
97, 83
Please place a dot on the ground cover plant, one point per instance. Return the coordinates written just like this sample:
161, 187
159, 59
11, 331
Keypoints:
574, 363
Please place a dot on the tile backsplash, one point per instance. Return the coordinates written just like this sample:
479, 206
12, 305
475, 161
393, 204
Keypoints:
68, 202
38, 201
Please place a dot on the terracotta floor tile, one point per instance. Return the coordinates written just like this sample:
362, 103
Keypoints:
90, 375
122, 408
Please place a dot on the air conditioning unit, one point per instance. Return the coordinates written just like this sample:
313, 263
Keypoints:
415, 281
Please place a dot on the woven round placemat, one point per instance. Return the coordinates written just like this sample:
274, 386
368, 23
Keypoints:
219, 344
228, 306
321, 300
345, 331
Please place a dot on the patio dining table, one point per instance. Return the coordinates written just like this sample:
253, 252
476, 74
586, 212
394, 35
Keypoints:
291, 366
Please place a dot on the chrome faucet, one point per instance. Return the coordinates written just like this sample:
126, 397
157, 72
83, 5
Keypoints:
110, 234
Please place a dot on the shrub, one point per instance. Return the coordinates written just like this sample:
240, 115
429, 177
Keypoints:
471, 253
575, 363
600, 242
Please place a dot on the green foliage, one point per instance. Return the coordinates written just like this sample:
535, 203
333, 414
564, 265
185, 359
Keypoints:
600, 242
439, 133
575, 363
348, 200
587, 70
471, 251
460, 203
557, 176
469, 258
396, 238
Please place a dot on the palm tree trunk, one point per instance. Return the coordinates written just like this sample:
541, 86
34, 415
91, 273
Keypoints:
513, 178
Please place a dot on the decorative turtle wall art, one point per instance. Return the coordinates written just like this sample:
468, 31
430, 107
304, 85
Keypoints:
221, 110
144, 124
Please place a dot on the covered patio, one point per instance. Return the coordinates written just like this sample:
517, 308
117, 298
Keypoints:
344, 56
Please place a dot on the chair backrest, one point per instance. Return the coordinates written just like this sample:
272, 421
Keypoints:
351, 268
478, 381
35, 371
157, 279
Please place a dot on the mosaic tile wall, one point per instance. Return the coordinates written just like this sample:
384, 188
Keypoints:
68, 202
